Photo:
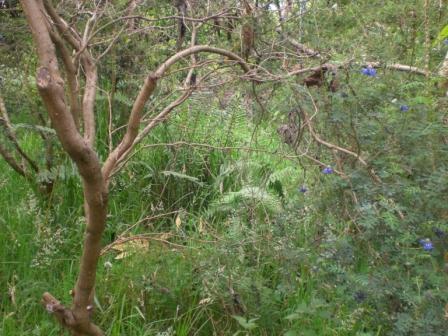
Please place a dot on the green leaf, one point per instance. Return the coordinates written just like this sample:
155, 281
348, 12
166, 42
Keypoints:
248, 195
302, 308
36, 128
291, 333
292, 317
246, 324
421, 100
181, 176
324, 314
442, 35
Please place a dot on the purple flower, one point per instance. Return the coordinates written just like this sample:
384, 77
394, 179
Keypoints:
404, 108
426, 244
303, 189
369, 71
327, 170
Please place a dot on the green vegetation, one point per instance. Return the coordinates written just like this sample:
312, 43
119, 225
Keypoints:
240, 233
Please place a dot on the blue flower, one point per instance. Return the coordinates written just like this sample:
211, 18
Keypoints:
327, 170
426, 244
369, 71
404, 108
445, 41
303, 189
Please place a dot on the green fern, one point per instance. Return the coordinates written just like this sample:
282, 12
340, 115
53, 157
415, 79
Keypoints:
123, 99
284, 175
248, 196
181, 176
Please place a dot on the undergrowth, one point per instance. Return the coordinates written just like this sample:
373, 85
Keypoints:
239, 233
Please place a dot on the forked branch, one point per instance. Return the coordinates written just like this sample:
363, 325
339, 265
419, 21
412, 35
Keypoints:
146, 91
52, 90
11, 135
317, 138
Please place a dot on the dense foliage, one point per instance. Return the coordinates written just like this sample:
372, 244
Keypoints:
219, 225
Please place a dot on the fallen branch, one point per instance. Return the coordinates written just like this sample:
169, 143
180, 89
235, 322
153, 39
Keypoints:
138, 237
302, 48
330, 66
398, 67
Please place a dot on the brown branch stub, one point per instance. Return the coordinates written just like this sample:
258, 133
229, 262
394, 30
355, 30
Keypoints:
78, 324
53, 306
43, 78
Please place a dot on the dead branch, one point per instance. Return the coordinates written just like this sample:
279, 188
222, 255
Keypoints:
398, 67
317, 138
88, 63
329, 66
12, 161
302, 48
64, 29
122, 240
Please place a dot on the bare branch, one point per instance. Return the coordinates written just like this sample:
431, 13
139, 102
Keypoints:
398, 67
10, 133
317, 138
111, 44
12, 161
142, 18
70, 70
64, 29
66, 317
147, 90
302, 48
51, 89
88, 101
162, 116
395, 66
89, 66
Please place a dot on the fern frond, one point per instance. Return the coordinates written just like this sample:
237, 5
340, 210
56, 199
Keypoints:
248, 196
